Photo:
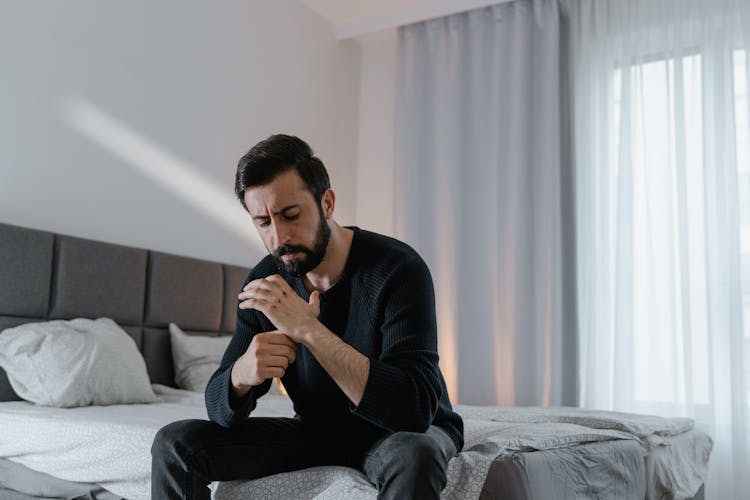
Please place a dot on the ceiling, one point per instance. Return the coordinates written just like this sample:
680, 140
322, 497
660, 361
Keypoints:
355, 18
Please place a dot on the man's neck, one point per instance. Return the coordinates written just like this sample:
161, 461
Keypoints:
328, 271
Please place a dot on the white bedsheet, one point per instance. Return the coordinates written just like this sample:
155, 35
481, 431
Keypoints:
651, 430
111, 445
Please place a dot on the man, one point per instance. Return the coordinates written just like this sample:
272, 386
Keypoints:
346, 319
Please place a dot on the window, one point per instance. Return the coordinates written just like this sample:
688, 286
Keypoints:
663, 167
742, 126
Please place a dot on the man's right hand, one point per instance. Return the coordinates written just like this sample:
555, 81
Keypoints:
268, 356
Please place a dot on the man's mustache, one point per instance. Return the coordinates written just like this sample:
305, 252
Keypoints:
289, 249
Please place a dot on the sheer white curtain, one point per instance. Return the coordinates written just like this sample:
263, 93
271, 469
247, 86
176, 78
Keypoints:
483, 170
663, 216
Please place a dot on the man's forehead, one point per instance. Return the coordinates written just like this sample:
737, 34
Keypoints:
275, 196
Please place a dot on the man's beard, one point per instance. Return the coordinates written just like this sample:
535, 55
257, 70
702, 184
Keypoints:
313, 257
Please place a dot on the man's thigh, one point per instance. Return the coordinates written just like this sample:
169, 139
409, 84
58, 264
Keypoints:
257, 447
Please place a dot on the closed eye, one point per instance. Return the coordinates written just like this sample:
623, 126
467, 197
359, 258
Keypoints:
264, 221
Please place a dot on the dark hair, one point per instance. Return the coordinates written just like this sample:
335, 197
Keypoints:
275, 155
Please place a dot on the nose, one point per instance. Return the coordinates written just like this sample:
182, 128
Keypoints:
280, 234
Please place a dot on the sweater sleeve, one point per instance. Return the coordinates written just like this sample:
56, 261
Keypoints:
403, 387
222, 405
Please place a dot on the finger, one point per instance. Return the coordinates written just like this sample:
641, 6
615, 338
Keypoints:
289, 352
276, 361
279, 282
271, 372
279, 338
267, 283
261, 295
315, 302
291, 355
268, 295
283, 350
259, 304
260, 282
274, 349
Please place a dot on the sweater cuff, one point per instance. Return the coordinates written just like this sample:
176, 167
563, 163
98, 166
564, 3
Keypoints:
237, 408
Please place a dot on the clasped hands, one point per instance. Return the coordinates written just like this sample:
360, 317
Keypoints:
282, 306
270, 353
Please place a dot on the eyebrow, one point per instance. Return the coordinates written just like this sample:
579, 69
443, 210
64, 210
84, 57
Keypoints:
288, 207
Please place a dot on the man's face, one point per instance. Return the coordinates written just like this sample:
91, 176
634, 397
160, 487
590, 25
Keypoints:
290, 221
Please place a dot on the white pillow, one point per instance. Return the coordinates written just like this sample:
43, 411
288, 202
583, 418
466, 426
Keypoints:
73, 363
197, 357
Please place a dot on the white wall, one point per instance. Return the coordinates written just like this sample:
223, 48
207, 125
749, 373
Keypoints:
124, 121
375, 203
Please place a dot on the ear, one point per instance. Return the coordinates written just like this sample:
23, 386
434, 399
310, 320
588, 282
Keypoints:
328, 203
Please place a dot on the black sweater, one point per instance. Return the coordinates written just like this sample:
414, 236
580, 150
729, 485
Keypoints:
383, 305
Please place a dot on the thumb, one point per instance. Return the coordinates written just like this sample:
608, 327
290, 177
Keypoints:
315, 302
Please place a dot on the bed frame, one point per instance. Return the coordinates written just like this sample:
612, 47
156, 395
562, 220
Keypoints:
46, 276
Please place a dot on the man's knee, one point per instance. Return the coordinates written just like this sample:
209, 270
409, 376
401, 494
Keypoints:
413, 452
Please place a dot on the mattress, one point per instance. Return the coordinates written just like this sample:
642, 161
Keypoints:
609, 469
677, 469
675, 462
109, 447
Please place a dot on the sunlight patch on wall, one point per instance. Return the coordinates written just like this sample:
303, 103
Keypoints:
162, 167
446, 301
447, 346
504, 322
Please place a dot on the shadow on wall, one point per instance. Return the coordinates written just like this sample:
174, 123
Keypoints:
160, 166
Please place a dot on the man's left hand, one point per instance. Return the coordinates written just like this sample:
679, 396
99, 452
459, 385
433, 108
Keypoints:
282, 306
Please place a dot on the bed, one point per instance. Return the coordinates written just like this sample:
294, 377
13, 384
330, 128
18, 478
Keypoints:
103, 451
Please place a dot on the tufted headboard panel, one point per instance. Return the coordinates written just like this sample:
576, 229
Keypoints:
46, 276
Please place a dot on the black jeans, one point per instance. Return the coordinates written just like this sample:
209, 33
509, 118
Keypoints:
189, 454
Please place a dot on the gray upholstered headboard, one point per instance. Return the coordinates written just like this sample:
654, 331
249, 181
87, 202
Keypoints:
46, 276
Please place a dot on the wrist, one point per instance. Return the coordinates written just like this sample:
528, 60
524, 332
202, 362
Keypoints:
307, 332
240, 389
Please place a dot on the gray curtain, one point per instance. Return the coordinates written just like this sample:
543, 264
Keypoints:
484, 192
